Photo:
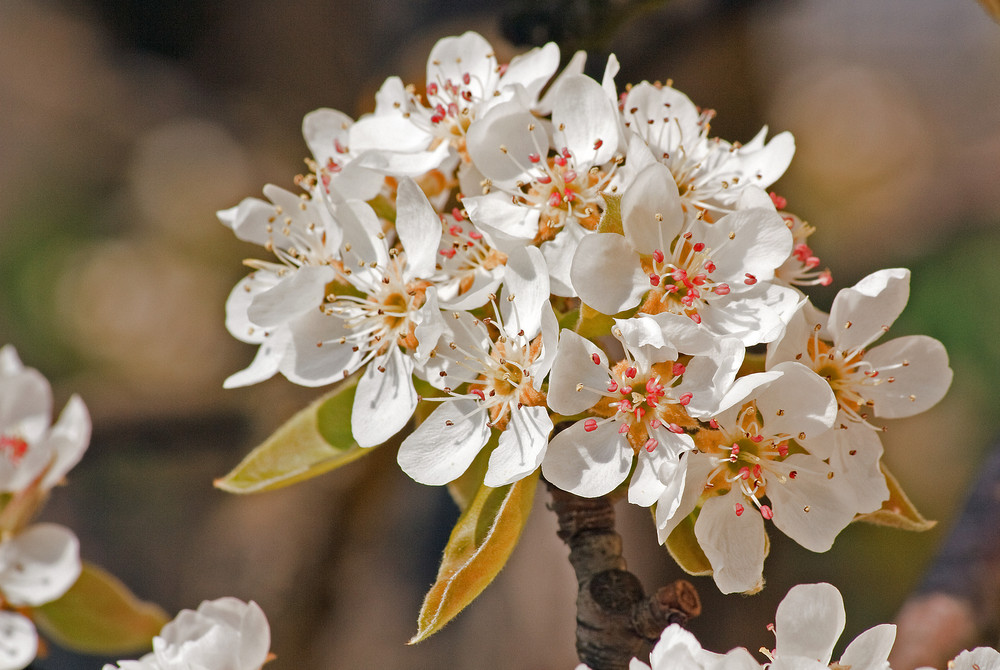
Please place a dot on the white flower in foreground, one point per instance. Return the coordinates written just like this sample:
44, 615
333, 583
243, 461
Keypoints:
18, 641
223, 634
980, 658
808, 624
894, 380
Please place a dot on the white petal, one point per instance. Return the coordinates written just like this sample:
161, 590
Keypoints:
532, 69
521, 448
39, 565
268, 360
859, 313
18, 641
315, 357
445, 444
659, 475
25, 404
810, 508
323, 129
301, 291
916, 386
429, 326
501, 142
606, 273
419, 229
856, 459
697, 468
384, 400
870, 650
589, 464
559, 254
651, 210
809, 622
588, 119
495, 212
800, 402
68, 440
238, 302
678, 649
983, 658
469, 53
525, 291
574, 364
734, 543
767, 163
762, 243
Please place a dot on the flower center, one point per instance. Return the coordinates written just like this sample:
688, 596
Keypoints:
682, 283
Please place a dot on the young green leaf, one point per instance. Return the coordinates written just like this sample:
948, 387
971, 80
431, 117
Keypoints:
685, 550
479, 546
316, 440
99, 615
897, 511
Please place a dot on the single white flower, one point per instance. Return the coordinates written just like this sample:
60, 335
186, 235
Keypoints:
896, 379
980, 658
223, 634
715, 278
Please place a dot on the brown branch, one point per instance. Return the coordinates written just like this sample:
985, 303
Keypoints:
615, 619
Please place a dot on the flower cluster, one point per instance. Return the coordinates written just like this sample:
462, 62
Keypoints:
807, 626
223, 634
584, 280
38, 562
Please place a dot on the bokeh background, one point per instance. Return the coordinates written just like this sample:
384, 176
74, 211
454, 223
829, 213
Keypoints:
125, 124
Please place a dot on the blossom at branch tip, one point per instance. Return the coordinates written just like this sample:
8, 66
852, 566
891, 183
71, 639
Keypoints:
222, 634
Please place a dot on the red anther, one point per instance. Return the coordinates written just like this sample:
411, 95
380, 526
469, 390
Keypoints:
453, 109
466, 78
340, 148
766, 512
598, 144
652, 386
688, 235
503, 69
432, 88
631, 372
441, 109
657, 255
699, 246
756, 471
750, 279
447, 253
596, 358
650, 444
712, 423
685, 399
721, 289
744, 472
783, 449
623, 429
569, 195
674, 428
652, 399
710, 267
688, 300
679, 275
698, 279
569, 175
14, 447
811, 262
534, 157
590, 425
478, 393
793, 474
456, 214
437, 118
624, 405
757, 439
672, 288
736, 448
560, 160
770, 627
695, 317
326, 181
566, 153
554, 199
779, 202
655, 423
678, 369
825, 278
626, 390
612, 386
738, 508
544, 179
654, 279
639, 413
467, 95
475, 235
455, 231
802, 251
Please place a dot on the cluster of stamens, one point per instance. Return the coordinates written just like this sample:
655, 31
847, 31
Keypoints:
682, 283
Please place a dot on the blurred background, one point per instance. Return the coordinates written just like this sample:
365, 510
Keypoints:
125, 124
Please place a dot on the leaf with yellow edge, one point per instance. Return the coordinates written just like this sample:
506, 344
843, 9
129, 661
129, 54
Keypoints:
316, 440
99, 615
685, 550
897, 511
479, 546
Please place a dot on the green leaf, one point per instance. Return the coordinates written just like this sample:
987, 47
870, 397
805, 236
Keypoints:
99, 615
611, 220
685, 550
316, 440
479, 546
897, 511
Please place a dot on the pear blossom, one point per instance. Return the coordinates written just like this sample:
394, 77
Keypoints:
222, 634
710, 173
534, 198
755, 455
40, 562
893, 380
715, 278
980, 658
503, 376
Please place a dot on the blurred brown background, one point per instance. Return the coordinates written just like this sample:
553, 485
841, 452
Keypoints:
125, 124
